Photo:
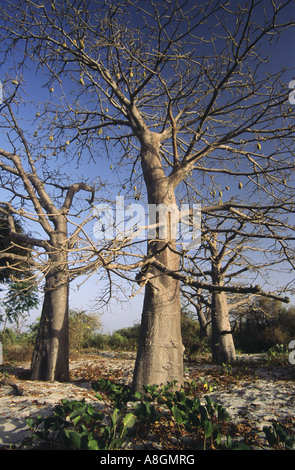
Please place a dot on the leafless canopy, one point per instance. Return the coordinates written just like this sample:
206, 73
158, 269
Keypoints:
197, 74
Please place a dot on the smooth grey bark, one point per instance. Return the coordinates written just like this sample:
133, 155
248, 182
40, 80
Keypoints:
223, 348
160, 350
204, 321
50, 360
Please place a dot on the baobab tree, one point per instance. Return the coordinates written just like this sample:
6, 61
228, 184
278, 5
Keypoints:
167, 88
51, 357
240, 245
47, 203
32, 199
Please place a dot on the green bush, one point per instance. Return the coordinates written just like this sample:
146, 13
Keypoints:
75, 425
16, 346
190, 331
81, 329
98, 341
131, 335
265, 326
125, 339
278, 354
118, 342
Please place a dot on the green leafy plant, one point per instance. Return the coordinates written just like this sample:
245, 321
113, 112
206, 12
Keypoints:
188, 411
227, 368
278, 437
193, 415
118, 395
229, 444
146, 412
278, 354
207, 385
75, 425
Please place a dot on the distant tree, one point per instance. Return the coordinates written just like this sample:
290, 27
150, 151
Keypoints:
264, 324
61, 249
82, 326
190, 330
22, 296
200, 300
239, 244
44, 200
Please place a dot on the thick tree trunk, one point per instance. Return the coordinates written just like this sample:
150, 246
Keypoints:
223, 348
50, 359
160, 351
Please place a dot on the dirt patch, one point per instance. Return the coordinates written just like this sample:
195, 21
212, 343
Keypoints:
254, 393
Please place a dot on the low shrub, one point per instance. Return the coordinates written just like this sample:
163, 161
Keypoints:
263, 328
17, 347
76, 425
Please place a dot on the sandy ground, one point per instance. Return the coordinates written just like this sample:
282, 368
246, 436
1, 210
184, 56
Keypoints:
259, 396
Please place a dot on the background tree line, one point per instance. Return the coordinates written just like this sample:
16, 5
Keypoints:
262, 327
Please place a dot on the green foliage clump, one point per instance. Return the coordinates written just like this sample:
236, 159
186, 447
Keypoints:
76, 424
16, 346
131, 336
278, 437
22, 296
82, 327
190, 332
124, 339
265, 325
278, 354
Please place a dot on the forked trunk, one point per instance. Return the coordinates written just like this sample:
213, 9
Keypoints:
50, 359
223, 348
